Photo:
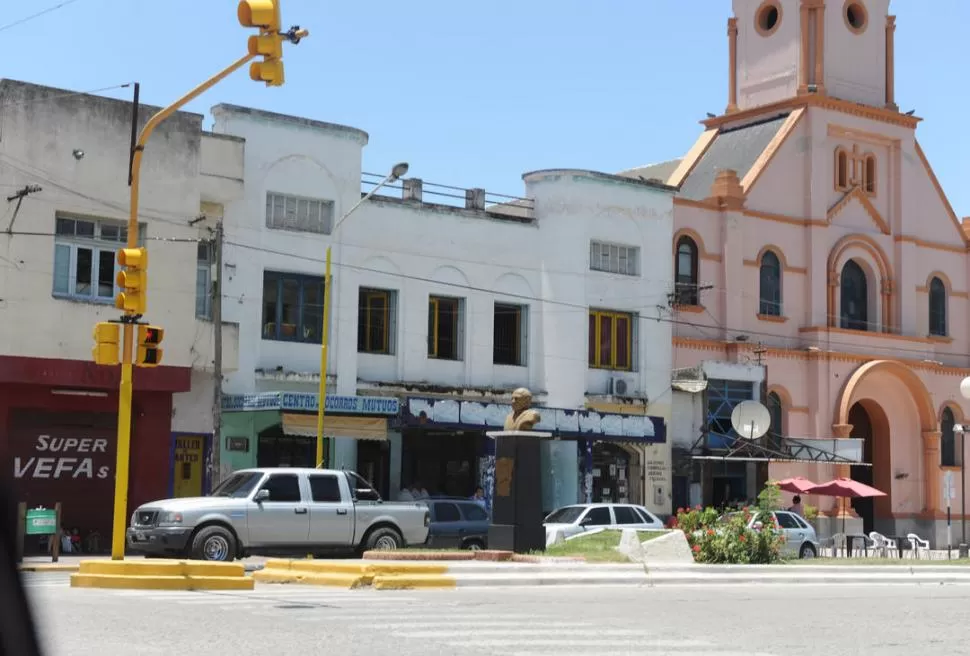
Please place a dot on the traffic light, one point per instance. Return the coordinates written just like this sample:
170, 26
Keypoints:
265, 15
106, 343
133, 280
148, 353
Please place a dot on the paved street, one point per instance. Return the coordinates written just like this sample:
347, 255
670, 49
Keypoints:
726, 621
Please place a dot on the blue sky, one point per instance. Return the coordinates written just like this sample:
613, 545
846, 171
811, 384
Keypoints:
475, 94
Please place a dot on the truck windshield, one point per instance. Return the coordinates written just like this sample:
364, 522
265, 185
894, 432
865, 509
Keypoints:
238, 485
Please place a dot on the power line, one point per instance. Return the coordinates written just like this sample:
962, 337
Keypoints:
585, 308
21, 21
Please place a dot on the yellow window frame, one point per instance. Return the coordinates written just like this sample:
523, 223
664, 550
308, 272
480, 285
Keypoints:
598, 340
369, 297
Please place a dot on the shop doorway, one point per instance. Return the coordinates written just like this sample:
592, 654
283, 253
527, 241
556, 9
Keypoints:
611, 474
373, 463
444, 462
187, 476
274, 449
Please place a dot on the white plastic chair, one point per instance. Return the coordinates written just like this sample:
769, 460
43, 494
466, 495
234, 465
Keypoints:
838, 542
881, 544
918, 544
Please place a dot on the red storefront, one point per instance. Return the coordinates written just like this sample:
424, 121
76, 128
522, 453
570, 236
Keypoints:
58, 424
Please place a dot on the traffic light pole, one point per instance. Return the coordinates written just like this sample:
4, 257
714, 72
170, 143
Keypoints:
119, 522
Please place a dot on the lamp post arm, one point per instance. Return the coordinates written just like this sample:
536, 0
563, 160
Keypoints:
366, 197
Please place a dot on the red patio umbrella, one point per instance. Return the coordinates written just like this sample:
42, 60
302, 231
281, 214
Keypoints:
795, 484
845, 488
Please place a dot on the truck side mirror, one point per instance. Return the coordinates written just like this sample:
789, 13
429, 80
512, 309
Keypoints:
261, 495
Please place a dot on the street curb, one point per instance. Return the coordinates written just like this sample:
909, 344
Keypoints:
161, 575
47, 567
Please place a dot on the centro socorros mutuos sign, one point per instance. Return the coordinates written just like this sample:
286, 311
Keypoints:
308, 402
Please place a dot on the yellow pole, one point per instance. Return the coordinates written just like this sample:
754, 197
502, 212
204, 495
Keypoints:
125, 388
321, 410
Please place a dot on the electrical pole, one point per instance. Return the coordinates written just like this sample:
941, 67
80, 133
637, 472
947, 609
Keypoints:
216, 446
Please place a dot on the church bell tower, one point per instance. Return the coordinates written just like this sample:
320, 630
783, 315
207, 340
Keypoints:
780, 49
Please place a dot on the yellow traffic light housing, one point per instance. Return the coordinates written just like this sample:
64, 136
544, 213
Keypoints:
106, 343
133, 281
148, 353
265, 15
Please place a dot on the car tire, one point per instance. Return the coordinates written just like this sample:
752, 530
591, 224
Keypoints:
807, 551
214, 543
384, 539
473, 545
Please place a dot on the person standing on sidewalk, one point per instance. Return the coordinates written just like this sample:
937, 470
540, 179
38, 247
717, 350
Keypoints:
797, 506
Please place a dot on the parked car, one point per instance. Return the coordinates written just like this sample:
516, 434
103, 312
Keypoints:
457, 524
800, 538
573, 520
277, 510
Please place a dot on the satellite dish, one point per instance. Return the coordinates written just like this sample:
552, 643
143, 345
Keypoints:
750, 419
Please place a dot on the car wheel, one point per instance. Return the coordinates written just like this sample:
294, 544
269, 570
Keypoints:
807, 551
384, 539
213, 543
474, 545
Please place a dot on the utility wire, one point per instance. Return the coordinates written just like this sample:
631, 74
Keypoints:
21, 21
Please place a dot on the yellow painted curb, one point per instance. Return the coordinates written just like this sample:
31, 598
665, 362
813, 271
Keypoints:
412, 581
47, 567
332, 579
130, 582
387, 569
160, 567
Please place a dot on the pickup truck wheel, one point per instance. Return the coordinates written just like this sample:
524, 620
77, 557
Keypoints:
213, 543
474, 545
384, 539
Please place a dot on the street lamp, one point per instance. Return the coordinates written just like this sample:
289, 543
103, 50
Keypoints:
962, 429
400, 169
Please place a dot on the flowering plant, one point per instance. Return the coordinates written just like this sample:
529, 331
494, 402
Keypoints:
733, 538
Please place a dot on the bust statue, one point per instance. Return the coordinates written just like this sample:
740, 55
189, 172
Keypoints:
521, 418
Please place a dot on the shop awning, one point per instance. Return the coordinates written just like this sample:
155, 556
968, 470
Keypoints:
358, 428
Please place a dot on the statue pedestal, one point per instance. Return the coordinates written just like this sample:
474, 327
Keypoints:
517, 500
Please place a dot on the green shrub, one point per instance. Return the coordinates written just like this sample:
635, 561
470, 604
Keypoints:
730, 540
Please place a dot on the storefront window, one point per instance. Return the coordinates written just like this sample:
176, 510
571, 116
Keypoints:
722, 396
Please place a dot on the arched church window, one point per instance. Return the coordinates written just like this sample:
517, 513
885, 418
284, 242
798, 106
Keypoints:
776, 410
948, 441
854, 284
869, 171
937, 307
685, 282
770, 293
841, 169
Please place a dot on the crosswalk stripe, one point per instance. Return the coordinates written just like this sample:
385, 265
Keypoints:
447, 621
595, 643
714, 651
553, 632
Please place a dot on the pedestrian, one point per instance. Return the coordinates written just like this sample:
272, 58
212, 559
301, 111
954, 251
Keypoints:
418, 492
405, 494
796, 506
479, 495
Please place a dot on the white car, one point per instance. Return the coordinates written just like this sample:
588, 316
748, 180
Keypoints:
800, 538
573, 520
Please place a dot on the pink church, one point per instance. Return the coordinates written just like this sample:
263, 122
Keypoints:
811, 236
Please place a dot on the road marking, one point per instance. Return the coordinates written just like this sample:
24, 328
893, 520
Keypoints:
593, 643
714, 651
554, 633
446, 622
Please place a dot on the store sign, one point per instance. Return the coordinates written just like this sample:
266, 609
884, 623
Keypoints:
360, 405
64, 457
656, 471
41, 521
638, 428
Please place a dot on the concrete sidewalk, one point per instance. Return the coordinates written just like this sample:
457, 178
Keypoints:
72, 562
407, 575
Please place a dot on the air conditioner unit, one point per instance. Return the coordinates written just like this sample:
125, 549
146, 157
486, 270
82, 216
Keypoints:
621, 386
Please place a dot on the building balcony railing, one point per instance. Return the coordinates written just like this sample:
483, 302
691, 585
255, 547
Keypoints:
440, 195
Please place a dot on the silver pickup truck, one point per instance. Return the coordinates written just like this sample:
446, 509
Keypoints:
278, 510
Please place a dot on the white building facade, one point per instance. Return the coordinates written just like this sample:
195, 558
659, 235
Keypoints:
64, 171
440, 310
